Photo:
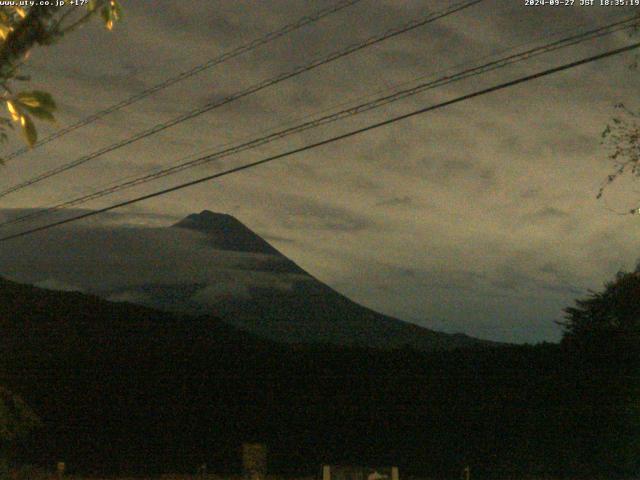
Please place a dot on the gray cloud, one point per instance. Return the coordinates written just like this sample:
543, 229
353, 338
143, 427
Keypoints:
53, 284
549, 213
395, 202
122, 258
310, 214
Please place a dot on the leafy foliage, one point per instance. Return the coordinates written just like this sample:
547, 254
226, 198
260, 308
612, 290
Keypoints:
16, 418
612, 315
29, 472
20, 30
622, 137
16, 421
602, 333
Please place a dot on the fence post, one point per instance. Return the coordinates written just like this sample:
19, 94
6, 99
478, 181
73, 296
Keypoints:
326, 472
466, 473
254, 461
60, 468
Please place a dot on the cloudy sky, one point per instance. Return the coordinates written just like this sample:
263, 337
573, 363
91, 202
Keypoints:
478, 218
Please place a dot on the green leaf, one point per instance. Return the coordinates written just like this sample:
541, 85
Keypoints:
14, 110
92, 5
41, 113
105, 13
111, 13
29, 130
116, 10
38, 103
37, 99
5, 30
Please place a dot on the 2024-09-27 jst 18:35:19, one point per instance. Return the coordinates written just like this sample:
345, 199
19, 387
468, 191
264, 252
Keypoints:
586, 3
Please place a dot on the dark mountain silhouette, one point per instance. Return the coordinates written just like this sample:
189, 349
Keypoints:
287, 304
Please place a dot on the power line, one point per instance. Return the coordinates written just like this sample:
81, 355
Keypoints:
253, 89
327, 141
354, 110
268, 38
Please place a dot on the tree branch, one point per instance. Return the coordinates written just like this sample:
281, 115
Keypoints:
29, 32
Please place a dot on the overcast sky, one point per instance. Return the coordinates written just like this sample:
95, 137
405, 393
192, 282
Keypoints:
479, 218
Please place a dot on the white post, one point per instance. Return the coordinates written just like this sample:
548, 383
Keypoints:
326, 472
395, 474
60, 467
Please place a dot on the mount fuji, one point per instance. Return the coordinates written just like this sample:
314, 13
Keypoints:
267, 294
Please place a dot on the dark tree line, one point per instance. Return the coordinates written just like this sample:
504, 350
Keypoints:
602, 338
124, 389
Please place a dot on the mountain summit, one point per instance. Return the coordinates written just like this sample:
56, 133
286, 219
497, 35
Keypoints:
226, 232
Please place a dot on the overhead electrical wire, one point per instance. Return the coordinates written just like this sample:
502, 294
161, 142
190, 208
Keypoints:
354, 110
253, 89
353, 133
268, 38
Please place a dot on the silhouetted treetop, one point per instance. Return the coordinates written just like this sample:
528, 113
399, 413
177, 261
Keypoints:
612, 314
